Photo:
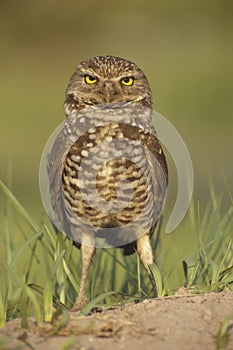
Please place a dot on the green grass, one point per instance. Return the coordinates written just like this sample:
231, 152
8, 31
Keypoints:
224, 331
40, 270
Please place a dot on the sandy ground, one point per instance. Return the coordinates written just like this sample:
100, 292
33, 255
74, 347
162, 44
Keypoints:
186, 322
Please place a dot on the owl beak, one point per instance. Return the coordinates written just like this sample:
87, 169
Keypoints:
110, 93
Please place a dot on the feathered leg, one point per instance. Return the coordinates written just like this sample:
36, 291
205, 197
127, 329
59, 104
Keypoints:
146, 256
87, 255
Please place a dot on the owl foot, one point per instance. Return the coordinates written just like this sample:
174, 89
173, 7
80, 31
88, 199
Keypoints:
79, 304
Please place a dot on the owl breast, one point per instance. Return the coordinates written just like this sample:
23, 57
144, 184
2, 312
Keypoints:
113, 174
105, 178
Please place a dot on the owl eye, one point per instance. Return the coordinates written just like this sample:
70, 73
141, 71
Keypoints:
89, 79
127, 81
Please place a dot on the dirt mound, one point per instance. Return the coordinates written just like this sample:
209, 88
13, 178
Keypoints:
185, 322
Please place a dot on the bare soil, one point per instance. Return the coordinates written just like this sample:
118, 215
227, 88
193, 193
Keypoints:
180, 322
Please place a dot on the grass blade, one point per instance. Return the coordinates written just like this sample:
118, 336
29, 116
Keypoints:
19, 207
158, 279
95, 303
2, 312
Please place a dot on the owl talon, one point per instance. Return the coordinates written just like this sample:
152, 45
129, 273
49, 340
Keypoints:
79, 304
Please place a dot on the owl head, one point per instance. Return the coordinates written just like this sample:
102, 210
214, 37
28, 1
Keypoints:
104, 80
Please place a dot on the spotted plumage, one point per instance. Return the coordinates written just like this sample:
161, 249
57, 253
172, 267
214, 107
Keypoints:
107, 169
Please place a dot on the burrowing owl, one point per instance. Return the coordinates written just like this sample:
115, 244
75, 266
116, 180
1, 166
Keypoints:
109, 109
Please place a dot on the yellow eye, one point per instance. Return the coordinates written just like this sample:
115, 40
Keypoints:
89, 79
127, 81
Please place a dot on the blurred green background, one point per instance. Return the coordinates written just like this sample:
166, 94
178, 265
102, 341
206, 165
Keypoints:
184, 47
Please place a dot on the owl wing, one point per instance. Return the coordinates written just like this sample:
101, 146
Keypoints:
153, 144
55, 166
159, 174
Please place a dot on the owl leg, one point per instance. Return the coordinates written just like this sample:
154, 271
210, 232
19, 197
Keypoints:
146, 256
87, 255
